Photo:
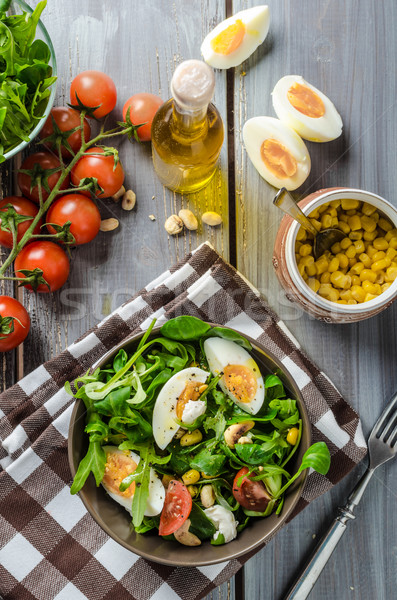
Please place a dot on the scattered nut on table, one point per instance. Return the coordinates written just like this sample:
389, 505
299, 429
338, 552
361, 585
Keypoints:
109, 224
173, 225
116, 197
152, 217
129, 200
188, 218
211, 218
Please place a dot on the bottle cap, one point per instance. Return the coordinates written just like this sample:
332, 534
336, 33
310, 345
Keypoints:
193, 84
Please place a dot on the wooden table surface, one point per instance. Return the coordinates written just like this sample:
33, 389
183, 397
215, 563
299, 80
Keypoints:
348, 50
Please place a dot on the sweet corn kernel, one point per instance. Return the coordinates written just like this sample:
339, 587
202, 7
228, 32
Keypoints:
378, 288
358, 293
371, 251
301, 269
336, 248
332, 212
292, 435
359, 246
334, 203
378, 255
351, 251
352, 262
313, 284
339, 280
305, 275
365, 259
325, 277
326, 221
307, 260
301, 235
343, 260
369, 236
368, 287
356, 280
314, 214
385, 224
379, 264
323, 207
345, 243
328, 293
370, 297
343, 217
352, 301
354, 223
393, 243
334, 222
316, 224
350, 204
356, 235
391, 253
345, 295
311, 270
333, 265
321, 265
380, 277
357, 268
375, 216
386, 286
343, 227
391, 274
305, 250
350, 213
368, 275
368, 223
380, 243
390, 234
368, 209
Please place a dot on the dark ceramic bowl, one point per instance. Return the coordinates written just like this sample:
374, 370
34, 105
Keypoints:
115, 520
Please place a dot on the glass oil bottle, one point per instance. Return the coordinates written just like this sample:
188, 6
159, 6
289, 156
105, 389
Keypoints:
187, 130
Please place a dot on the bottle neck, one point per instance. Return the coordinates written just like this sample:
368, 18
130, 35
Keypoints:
189, 122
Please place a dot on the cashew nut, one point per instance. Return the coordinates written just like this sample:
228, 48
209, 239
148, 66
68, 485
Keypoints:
188, 218
185, 537
173, 225
244, 440
129, 200
207, 496
109, 224
116, 197
211, 218
234, 432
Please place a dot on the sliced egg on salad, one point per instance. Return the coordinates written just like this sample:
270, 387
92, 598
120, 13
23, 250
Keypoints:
277, 152
242, 380
235, 39
120, 464
175, 401
307, 110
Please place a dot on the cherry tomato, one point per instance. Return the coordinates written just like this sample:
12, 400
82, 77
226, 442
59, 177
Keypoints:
66, 119
252, 495
177, 507
9, 307
23, 207
94, 88
46, 256
101, 167
142, 107
40, 161
81, 211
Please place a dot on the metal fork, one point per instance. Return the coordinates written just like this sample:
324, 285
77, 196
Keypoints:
382, 444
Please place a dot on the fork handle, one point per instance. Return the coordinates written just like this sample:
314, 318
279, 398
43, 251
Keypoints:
328, 543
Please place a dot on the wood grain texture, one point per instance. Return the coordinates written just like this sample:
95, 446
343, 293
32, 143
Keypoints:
348, 50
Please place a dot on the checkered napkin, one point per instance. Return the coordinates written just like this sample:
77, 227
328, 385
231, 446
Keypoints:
51, 548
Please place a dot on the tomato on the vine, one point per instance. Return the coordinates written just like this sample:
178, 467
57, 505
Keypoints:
65, 119
23, 207
14, 323
48, 257
252, 495
81, 211
94, 89
109, 177
39, 163
177, 507
142, 107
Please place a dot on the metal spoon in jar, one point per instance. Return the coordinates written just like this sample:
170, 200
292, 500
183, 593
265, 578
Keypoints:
323, 240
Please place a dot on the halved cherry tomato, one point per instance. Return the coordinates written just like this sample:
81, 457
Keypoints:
177, 507
252, 495
48, 257
81, 211
94, 88
23, 207
142, 107
66, 119
40, 161
9, 307
102, 168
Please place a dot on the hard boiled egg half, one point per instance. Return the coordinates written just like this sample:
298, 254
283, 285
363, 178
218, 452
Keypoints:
307, 110
121, 463
242, 380
235, 39
178, 399
277, 152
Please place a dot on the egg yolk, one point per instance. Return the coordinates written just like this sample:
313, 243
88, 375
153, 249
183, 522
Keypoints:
228, 40
192, 391
306, 101
241, 382
118, 466
278, 159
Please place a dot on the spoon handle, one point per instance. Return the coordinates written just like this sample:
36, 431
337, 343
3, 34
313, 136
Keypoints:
285, 201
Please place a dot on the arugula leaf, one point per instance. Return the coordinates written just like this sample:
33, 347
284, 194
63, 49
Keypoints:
316, 457
210, 464
94, 461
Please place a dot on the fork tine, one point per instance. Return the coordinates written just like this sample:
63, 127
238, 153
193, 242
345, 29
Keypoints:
379, 425
391, 422
390, 438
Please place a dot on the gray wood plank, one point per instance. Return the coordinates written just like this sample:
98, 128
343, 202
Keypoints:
348, 50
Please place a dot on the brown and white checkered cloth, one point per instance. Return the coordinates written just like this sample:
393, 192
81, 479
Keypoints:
51, 549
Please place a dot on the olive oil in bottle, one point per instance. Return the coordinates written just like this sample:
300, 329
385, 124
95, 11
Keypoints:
187, 130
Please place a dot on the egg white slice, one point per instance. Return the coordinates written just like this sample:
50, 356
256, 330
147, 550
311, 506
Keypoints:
323, 128
260, 130
155, 500
254, 20
220, 354
164, 413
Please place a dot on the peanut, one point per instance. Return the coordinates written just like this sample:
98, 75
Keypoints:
116, 197
188, 218
211, 218
109, 224
173, 225
129, 200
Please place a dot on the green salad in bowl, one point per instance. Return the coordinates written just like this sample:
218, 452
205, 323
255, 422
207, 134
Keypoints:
189, 435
